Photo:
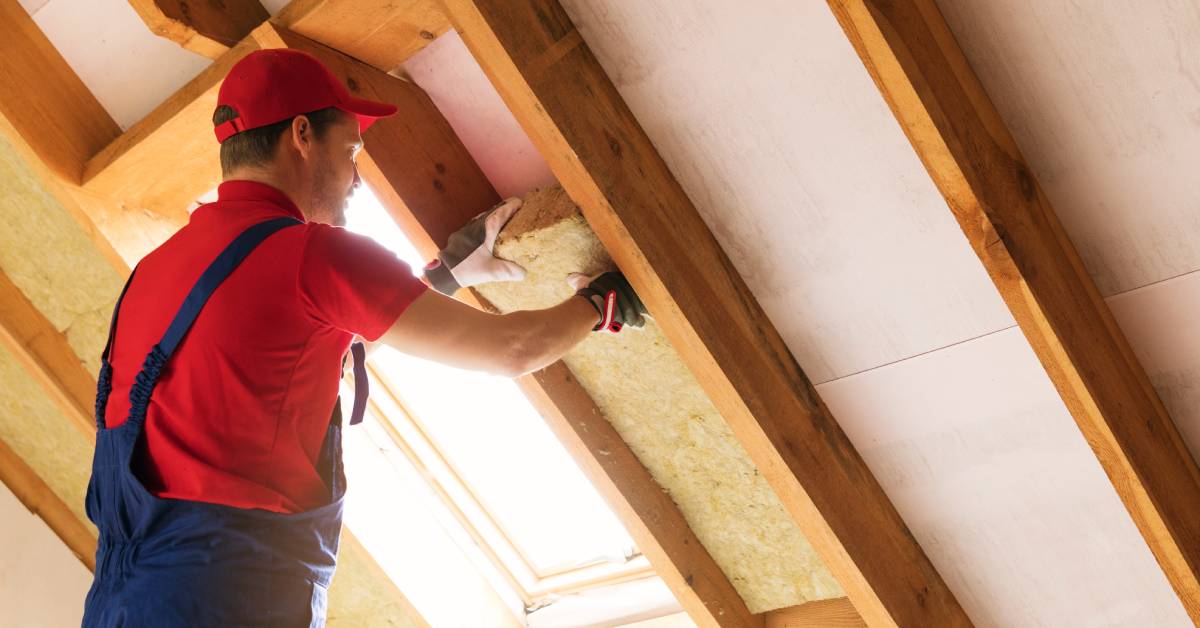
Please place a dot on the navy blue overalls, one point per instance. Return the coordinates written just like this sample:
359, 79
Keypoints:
171, 562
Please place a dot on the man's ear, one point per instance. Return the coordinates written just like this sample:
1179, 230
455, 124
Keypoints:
301, 134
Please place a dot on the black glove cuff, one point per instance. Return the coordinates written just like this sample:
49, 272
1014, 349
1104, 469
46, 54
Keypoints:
439, 276
587, 294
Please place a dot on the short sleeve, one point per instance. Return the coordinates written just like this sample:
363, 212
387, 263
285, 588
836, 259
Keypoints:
353, 283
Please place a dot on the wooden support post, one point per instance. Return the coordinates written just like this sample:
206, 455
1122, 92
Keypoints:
556, 88
430, 184
206, 27
967, 150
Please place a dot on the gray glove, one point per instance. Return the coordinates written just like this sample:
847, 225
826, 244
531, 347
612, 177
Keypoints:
614, 299
468, 259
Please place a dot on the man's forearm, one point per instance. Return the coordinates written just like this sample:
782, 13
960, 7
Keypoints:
550, 333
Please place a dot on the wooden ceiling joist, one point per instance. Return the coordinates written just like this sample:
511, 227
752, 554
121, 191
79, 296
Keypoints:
942, 107
207, 28
566, 103
430, 184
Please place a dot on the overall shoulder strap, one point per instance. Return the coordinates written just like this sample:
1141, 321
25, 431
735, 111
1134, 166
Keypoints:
213, 276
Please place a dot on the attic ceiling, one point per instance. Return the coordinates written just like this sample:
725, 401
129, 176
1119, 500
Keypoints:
767, 118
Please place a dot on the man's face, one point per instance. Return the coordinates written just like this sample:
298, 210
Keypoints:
335, 175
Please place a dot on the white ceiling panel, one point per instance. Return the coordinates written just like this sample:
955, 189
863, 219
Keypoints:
983, 461
773, 127
129, 69
1103, 99
1160, 322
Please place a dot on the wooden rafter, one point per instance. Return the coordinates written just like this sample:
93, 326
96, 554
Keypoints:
207, 28
561, 96
45, 354
971, 156
430, 184
36, 81
43, 502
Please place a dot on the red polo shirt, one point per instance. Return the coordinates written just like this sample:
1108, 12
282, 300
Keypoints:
240, 412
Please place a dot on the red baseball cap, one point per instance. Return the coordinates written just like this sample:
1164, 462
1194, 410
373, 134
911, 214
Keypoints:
269, 86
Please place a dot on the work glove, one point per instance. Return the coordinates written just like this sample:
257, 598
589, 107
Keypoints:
614, 299
468, 259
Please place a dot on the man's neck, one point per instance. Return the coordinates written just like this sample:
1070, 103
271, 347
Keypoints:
279, 183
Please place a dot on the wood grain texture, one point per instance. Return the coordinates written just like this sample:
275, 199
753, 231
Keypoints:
45, 101
206, 27
41, 501
918, 66
382, 33
838, 613
430, 185
569, 107
168, 159
1103, 99
47, 356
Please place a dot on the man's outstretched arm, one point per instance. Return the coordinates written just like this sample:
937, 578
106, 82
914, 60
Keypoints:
439, 328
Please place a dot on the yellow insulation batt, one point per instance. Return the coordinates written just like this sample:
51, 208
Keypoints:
643, 388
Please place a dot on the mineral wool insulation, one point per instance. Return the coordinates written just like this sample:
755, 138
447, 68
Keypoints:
643, 388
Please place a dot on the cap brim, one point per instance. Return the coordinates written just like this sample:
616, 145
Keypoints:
367, 111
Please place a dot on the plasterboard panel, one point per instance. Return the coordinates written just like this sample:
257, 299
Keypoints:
988, 469
129, 69
1160, 323
770, 122
1103, 99
33, 6
448, 72
41, 582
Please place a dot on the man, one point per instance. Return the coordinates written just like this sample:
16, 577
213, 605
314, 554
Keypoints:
217, 482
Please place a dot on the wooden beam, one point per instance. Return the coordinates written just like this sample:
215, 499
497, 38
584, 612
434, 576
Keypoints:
43, 502
45, 101
569, 107
381, 33
971, 156
206, 27
647, 512
430, 184
45, 354
836, 613
56, 125
168, 159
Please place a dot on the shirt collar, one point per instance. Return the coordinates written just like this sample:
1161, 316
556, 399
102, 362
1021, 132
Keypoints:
258, 192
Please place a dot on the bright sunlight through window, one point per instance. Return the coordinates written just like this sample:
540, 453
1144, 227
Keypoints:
489, 457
